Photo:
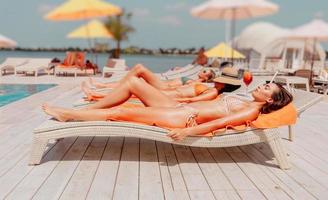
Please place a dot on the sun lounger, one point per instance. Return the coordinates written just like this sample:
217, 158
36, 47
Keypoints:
114, 66
74, 63
52, 129
11, 63
321, 85
34, 65
264, 72
69, 65
190, 71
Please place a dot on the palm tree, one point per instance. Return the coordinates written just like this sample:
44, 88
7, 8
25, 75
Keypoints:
120, 29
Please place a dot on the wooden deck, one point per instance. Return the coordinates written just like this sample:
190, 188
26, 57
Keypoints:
130, 168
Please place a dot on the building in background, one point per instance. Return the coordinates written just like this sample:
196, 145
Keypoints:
266, 47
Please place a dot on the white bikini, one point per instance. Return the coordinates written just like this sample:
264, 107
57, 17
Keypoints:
191, 120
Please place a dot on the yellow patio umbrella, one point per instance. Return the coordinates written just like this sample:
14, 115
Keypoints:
93, 29
83, 9
222, 50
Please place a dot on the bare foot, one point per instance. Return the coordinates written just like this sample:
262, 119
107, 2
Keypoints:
54, 112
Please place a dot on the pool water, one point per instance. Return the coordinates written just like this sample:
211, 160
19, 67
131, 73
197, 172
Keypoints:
13, 92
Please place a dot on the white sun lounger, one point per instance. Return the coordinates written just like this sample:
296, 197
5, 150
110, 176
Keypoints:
34, 65
11, 63
119, 67
190, 71
52, 129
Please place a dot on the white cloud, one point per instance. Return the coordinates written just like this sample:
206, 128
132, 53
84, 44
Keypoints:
45, 8
170, 20
141, 12
179, 6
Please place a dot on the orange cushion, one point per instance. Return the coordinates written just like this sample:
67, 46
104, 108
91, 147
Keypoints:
282, 117
286, 115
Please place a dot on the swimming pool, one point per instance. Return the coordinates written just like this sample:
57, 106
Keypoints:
13, 92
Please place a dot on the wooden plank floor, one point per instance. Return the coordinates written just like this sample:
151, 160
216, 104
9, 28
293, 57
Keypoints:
130, 168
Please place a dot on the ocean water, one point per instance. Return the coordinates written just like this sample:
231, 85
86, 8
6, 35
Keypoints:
13, 92
158, 63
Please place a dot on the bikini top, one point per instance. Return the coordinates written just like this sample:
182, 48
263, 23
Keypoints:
200, 88
232, 101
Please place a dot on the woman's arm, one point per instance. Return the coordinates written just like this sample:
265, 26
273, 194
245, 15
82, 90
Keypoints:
205, 96
239, 118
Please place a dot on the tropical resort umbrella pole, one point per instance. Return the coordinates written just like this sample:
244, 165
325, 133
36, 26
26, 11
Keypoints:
233, 29
312, 60
93, 29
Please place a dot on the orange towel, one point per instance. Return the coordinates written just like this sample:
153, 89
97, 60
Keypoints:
69, 59
79, 59
282, 117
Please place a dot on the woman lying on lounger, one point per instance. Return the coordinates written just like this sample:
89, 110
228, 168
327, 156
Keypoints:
184, 119
142, 72
186, 93
191, 92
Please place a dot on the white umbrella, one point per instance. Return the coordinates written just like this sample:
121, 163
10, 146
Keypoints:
6, 42
315, 31
233, 10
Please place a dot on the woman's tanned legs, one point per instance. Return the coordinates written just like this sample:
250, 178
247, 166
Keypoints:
141, 71
149, 95
165, 117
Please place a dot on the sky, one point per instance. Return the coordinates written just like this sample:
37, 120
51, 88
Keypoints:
158, 23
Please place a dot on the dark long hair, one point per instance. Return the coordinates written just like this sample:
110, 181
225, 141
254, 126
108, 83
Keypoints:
280, 99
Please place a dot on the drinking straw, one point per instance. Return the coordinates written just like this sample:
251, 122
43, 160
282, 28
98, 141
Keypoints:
274, 76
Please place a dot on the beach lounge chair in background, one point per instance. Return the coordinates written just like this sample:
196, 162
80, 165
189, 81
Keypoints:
10, 64
114, 66
321, 82
186, 70
72, 63
52, 129
265, 72
34, 65
190, 71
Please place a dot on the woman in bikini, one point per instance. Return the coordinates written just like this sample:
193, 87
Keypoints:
183, 89
184, 119
143, 72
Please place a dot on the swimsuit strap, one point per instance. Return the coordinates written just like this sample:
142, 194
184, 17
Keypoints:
191, 120
228, 104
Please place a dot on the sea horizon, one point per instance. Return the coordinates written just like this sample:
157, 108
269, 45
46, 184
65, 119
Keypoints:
155, 62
